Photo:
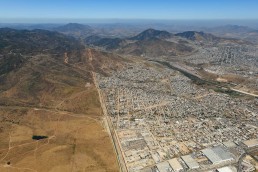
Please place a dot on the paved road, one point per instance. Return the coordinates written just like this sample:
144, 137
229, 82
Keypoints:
240, 161
243, 92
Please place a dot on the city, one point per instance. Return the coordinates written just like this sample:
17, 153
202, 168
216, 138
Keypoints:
165, 122
128, 86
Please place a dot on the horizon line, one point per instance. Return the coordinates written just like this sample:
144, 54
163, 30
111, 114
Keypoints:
110, 20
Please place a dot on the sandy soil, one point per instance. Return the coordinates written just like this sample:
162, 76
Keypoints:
76, 142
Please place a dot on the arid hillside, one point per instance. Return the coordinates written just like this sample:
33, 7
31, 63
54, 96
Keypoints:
150, 42
50, 115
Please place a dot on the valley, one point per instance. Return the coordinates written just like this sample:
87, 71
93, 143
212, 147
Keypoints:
73, 99
179, 112
160, 115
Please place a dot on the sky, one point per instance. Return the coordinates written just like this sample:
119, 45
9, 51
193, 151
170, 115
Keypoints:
128, 9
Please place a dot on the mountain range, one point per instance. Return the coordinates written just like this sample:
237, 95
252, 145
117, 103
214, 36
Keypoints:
35, 41
153, 42
40, 63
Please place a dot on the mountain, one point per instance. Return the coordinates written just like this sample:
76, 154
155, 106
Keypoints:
75, 29
236, 29
156, 43
31, 26
102, 62
46, 61
149, 42
107, 43
210, 38
197, 36
36, 41
151, 34
47, 92
32, 65
156, 47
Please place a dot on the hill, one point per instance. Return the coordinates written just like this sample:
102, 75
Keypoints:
234, 29
36, 41
75, 29
149, 42
209, 38
151, 34
197, 36
156, 47
107, 43
47, 92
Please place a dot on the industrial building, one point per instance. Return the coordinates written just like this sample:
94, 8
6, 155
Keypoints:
217, 155
229, 144
227, 169
164, 167
251, 143
175, 164
190, 162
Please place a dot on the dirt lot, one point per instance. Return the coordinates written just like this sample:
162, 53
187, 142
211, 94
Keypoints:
75, 141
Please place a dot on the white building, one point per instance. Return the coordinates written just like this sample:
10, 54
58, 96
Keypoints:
175, 164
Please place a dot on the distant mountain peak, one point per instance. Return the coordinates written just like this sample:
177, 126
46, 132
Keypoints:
75, 29
108, 43
151, 34
197, 36
233, 29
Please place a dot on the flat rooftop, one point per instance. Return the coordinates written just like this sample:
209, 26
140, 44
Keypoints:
164, 167
227, 169
190, 162
175, 164
251, 143
217, 155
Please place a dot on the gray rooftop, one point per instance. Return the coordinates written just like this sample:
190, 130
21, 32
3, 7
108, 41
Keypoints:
217, 154
190, 162
164, 167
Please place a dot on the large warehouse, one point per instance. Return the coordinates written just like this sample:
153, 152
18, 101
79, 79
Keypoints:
164, 167
251, 143
190, 162
227, 169
217, 155
175, 164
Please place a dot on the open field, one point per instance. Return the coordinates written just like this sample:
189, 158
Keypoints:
76, 141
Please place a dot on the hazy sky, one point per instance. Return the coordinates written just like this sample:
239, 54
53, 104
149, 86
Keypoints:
130, 9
